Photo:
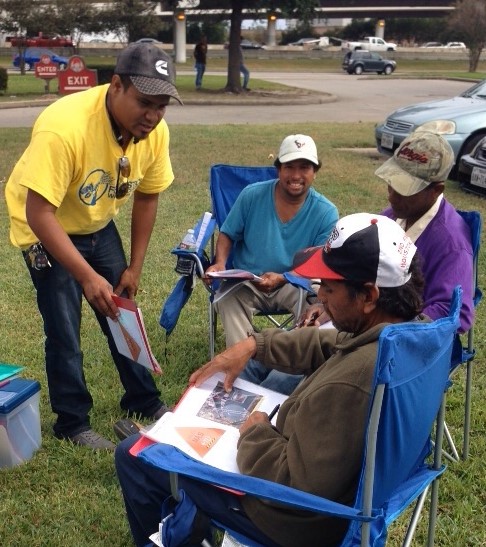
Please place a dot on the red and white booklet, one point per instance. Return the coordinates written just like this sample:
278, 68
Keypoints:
130, 334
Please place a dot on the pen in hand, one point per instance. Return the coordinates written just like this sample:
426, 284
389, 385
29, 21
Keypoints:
272, 414
310, 322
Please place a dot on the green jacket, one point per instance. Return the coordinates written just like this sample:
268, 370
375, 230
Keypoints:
317, 445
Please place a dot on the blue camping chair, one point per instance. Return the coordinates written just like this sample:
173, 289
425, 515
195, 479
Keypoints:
412, 370
464, 354
225, 184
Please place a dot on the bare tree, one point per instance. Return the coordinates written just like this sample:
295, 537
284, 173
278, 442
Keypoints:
469, 20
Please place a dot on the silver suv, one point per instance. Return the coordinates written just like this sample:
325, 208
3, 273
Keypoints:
357, 62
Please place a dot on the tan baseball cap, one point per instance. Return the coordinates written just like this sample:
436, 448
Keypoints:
422, 158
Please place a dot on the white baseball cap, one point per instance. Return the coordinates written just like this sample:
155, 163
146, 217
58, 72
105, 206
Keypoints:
298, 147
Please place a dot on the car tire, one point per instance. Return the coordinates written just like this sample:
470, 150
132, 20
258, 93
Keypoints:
467, 148
388, 70
62, 66
358, 70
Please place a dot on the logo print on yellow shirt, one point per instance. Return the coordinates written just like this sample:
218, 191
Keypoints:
95, 186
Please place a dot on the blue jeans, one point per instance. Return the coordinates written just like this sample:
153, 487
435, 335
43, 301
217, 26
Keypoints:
246, 75
59, 298
144, 488
200, 69
271, 379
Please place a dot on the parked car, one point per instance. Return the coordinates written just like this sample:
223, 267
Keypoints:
433, 44
472, 170
248, 44
357, 62
40, 41
148, 41
460, 120
33, 55
455, 45
304, 41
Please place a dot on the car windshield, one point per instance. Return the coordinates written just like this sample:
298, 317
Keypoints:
477, 91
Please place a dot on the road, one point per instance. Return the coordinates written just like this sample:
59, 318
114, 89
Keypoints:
357, 98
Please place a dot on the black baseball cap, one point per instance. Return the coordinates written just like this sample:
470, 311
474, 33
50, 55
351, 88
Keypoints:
150, 69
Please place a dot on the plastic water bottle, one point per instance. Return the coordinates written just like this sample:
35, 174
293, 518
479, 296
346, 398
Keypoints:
189, 241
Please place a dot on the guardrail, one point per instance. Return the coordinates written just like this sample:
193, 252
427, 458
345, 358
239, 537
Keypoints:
292, 52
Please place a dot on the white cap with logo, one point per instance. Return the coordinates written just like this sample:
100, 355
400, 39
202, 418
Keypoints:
298, 147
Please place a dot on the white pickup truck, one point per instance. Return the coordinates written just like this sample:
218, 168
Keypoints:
371, 43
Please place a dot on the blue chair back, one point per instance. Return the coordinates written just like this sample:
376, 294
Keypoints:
474, 221
227, 181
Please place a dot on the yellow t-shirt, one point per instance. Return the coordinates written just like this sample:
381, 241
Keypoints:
72, 161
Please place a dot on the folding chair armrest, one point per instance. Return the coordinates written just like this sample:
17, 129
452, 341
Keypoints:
173, 460
299, 282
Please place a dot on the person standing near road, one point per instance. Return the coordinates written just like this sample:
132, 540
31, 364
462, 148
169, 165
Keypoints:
90, 152
243, 69
200, 54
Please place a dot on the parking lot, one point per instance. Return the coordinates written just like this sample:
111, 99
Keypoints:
355, 98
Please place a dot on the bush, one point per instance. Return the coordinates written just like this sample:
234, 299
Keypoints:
3, 79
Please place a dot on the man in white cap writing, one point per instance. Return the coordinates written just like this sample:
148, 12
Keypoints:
369, 278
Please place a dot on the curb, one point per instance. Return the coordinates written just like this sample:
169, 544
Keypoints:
231, 101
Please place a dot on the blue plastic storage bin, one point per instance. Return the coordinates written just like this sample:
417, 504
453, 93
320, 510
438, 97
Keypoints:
20, 433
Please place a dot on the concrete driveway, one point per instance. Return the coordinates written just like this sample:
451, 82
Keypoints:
356, 98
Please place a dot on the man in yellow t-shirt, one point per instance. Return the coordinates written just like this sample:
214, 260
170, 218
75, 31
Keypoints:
89, 153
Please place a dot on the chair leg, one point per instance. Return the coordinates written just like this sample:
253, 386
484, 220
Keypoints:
415, 518
212, 329
453, 456
434, 497
467, 410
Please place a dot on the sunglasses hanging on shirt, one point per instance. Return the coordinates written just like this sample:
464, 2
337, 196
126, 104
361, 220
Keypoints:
124, 170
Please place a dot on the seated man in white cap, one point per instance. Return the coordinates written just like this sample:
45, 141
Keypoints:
369, 278
416, 176
269, 222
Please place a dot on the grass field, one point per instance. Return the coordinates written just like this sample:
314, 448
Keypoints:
69, 495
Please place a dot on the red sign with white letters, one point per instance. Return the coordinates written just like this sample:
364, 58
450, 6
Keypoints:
76, 77
45, 68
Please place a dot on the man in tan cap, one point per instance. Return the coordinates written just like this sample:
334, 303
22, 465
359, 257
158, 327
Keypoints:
415, 177
90, 152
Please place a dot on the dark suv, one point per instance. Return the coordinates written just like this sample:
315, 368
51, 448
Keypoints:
357, 62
